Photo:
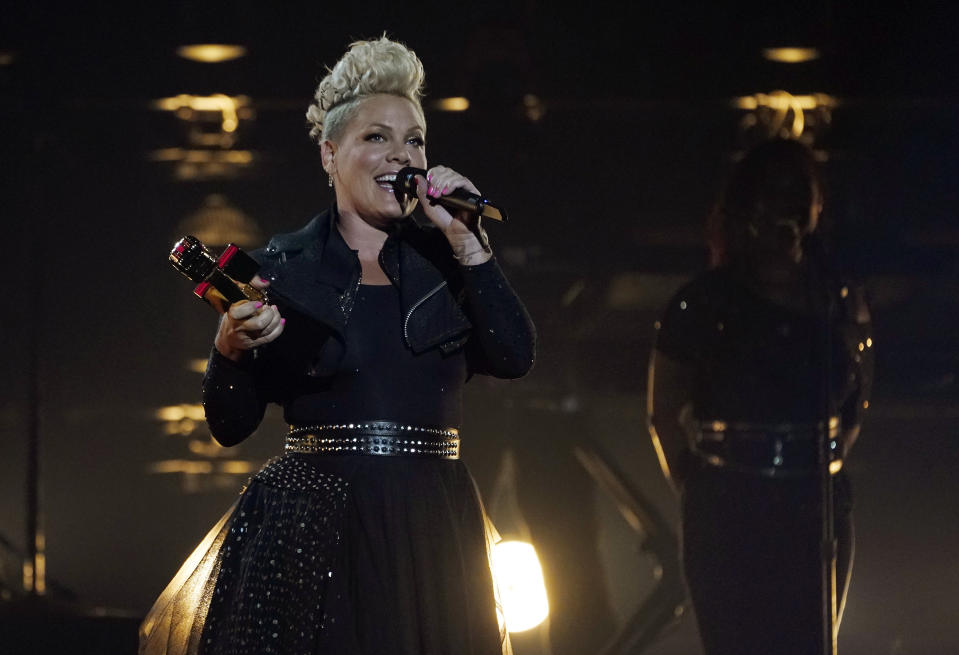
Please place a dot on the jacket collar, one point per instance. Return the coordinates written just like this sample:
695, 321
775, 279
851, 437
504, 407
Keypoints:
311, 269
317, 274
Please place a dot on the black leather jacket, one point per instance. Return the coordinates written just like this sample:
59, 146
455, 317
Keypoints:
314, 277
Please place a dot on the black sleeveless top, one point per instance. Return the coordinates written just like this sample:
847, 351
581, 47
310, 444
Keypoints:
379, 377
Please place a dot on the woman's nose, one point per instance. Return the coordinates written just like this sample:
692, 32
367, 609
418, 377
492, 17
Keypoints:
400, 155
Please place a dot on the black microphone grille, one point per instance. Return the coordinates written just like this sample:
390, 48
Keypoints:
405, 181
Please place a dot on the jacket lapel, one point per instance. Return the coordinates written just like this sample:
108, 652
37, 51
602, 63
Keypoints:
314, 272
430, 316
319, 280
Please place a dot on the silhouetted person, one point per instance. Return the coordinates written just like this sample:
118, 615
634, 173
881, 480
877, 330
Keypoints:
739, 382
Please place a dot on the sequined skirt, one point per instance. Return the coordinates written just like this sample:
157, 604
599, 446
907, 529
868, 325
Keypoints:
353, 555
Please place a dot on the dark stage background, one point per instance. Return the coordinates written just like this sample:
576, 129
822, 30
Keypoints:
605, 129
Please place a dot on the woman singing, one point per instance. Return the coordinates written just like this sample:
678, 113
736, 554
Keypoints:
367, 536
759, 363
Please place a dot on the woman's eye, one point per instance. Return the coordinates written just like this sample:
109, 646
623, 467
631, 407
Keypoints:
417, 141
376, 136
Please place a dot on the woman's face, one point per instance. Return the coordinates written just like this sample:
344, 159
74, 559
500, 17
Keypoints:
386, 134
780, 240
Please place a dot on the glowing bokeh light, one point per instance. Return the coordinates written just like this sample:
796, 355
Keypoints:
791, 55
198, 364
458, 103
519, 578
180, 412
211, 53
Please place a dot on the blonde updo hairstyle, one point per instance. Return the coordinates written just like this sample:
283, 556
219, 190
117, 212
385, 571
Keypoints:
368, 68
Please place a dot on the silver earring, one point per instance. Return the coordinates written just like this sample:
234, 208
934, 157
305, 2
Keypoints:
330, 179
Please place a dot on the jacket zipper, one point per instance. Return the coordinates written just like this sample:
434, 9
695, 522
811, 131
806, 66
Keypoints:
406, 321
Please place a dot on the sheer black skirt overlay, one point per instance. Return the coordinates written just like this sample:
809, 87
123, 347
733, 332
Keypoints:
352, 555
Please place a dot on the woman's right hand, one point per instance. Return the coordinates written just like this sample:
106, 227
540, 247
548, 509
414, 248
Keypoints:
246, 325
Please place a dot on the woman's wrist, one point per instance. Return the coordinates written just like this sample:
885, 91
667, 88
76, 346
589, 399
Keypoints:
473, 258
471, 248
233, 354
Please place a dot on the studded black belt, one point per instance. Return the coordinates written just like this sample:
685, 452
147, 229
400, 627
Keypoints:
375, 438
769, 450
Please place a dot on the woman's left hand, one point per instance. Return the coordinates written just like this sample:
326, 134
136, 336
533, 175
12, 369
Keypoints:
460, 227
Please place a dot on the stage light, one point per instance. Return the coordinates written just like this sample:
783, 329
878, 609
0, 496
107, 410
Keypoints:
216, 223
791, 55
180, 412
238, 467
182, 427
35, 580
230, 108
198, 365
211, 53
208, 448
519, 578
232, 157
190, 467
533, 107
458, 103
784, 114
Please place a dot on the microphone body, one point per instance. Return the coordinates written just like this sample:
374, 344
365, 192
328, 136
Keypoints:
458, 199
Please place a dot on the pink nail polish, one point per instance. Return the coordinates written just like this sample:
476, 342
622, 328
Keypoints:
430, 191
258, 305
282, 321
445, 189
429, 176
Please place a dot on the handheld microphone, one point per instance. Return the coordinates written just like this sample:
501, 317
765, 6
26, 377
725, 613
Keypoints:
458, 199
221, 281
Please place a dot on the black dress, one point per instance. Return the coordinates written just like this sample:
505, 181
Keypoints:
346, 554
751, 534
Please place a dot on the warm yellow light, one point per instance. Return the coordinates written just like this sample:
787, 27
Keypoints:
211, 53
784, 104
41, 573
238, 467
180, 412
207, 448
242, 157
791, 55
198, 365
534, 107
27, 575
182, 466
228, 107
458, 103
835, 467
519, 578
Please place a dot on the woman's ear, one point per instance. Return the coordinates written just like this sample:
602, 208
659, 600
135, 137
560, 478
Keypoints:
327, 152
